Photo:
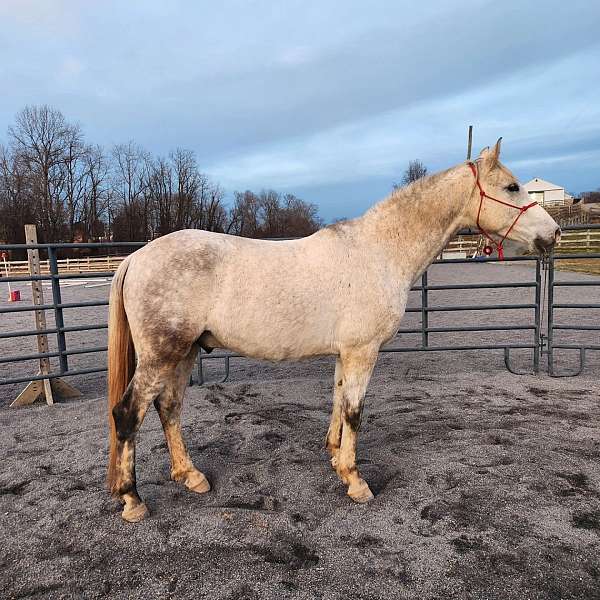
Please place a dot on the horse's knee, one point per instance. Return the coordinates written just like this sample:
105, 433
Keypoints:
354, 417
353, 414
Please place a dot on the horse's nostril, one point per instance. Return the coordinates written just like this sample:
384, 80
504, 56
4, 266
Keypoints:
557, 235
544, 244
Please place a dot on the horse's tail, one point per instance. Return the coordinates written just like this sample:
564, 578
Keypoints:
121, 364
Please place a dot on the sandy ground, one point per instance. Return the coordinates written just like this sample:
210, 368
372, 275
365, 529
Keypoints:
487, 484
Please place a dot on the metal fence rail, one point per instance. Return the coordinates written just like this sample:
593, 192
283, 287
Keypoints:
58, 307
554, 307
538, 345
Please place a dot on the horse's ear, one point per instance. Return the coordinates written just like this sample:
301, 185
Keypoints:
496, 150
491, 157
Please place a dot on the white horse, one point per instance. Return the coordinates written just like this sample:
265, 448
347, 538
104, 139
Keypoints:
341, 291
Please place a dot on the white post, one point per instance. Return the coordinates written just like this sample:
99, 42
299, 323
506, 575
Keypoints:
6, 271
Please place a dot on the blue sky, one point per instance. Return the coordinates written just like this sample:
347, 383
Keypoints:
329, 100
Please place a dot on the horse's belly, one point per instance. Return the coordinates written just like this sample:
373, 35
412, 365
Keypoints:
268, 337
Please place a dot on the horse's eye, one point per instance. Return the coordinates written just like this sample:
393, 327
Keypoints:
513, 187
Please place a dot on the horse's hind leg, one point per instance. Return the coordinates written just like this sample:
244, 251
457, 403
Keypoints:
128, 414
334, 433
169, 405
358, 366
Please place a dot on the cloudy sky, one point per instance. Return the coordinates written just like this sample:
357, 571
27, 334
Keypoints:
328, 100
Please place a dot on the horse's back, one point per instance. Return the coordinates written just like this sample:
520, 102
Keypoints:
192, 281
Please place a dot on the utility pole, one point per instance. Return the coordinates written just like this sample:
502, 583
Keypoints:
470, 142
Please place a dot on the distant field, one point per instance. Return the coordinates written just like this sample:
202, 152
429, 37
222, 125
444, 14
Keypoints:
583, 265
580, 265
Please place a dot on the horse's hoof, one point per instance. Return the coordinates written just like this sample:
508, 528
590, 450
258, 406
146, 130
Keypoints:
360, 492
197, 482
135, 514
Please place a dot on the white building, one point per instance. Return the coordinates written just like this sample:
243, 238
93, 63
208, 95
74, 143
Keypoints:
548, 194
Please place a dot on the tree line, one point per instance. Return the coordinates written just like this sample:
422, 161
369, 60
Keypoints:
76, 191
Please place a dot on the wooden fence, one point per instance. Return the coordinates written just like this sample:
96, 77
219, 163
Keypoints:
87, 264
574, 214
582, 240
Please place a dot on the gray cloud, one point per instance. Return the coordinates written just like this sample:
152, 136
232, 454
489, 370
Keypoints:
311, 95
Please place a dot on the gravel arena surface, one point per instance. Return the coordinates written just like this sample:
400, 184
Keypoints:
487, 484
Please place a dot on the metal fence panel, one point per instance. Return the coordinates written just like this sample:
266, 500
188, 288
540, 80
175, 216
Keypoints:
540, 343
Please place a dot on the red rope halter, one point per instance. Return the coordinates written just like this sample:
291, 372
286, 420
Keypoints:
487, 250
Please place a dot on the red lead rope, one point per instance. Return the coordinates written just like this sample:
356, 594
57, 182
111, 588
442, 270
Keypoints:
499, 245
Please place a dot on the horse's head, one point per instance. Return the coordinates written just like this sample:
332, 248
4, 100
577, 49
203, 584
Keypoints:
503, 209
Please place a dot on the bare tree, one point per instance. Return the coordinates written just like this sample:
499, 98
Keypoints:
213, 211
130, 207
72, 190
272, 214
75, 180
199, 200
181, 197
188, 181
244, 216
95, 210
301, 218
16, 206
159, 196
416, 170
590, 197
269, 214
44, 143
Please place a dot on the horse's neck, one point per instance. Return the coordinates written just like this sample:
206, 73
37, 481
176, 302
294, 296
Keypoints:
415, 223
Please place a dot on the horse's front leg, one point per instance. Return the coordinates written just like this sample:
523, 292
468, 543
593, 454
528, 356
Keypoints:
334, 433
357, 367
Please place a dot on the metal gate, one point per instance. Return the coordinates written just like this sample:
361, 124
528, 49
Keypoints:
557, 310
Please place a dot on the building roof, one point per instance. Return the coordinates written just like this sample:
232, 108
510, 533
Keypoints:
541, 185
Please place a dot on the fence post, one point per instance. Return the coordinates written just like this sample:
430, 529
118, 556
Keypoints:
36, 388
58, 313
550, 329
7, 272
47, 387
424, 311
538, 339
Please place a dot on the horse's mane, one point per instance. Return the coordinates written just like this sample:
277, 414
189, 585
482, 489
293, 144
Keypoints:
406, 196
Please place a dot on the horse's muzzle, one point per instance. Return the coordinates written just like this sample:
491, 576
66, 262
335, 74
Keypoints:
543, 245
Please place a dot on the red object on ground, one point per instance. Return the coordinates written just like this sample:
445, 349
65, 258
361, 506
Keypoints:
15, 296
